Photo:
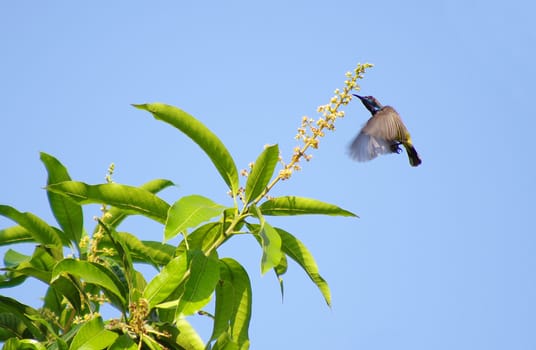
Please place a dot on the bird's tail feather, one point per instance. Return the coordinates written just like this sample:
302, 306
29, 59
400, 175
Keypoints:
413, 156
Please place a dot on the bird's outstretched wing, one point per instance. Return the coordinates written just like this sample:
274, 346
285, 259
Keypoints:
386, 124
366, 147
380, 135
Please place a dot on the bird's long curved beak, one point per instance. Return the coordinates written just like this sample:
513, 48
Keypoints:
360, 97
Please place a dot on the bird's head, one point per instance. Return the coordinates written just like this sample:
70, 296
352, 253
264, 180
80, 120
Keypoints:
372, 104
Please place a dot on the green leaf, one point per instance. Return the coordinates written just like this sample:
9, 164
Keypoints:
132, 200
115, 215
225, 302
13, 258
67, 213
151, 343
46, 323
297, 251
41, 263
10, 326
225, 342
93, 336
23, 344
188, 212
127, 281
124, 342
280, 270
121, 249
15, 234
270, 242
236, 276
53, 301
188, 337
183, 335
70, 289
291, 205
21, 313
164, 283
8, 280
91, 273
68, 336
271, 248
262, 172
200, 134
39, 229
204, 273
202, 238
148, 252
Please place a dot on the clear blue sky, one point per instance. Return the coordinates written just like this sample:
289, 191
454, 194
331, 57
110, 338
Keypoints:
443, 254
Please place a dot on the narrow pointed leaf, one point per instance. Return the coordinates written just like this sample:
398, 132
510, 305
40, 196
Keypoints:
70, 289
11, 326
92, 335
22, 313
23, 344
157, 185
280, 270
115, 215
53, 301
291, 205
270, 242
238, 278
70, 334
225, 342
151, 344
91, 273
126, 283
200, 134
271, 248
67, 213
13, 258
40, 265
167, 281
183, 335
188, 338
51, 326
225, 304
204, 275
121, 249
297, 251
189, 212
262, 172
161, 253
14, 234
124, 342
8, 280
229, 293
148, 252
132, 200
202, 238
36, 227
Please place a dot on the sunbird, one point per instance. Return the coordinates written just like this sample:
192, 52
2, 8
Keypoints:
383, 133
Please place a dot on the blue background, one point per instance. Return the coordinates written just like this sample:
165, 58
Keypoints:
443, 254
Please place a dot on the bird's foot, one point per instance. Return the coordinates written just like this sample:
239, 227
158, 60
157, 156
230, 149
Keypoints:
395, 148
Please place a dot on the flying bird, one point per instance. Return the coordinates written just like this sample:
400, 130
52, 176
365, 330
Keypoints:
383, 133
